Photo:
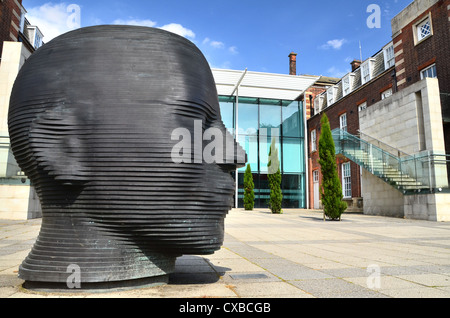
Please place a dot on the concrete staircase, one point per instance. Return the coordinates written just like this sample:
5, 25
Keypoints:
399, 172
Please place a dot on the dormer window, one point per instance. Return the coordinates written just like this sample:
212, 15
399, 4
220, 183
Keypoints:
331, 95
367, 70
22, 20
37, 41
389, 57
35, 36
318, 104
347, 84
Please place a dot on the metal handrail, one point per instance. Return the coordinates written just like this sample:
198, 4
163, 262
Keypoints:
413, 170
396, 151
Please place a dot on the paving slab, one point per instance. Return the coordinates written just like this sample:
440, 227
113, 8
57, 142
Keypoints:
291, 255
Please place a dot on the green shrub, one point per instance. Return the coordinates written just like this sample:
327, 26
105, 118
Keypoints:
249, 194
331, 191
274, 177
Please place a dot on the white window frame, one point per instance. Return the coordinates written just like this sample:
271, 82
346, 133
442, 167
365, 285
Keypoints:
418, 28
37, 40
389, 56
387, 93
362, 106
343, 122
22, 20
367, 70
429, 71
331, 95
318, 104
316, 176
346, 180
347, 84
313, 140
422, 33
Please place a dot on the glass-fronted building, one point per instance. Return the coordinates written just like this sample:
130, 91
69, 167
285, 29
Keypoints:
257, 109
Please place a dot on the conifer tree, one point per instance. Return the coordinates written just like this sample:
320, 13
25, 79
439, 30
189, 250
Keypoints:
249, 194
331, 191
274, 177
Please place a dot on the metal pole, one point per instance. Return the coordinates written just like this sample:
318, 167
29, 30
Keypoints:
306, 149
237, 140
429, 171
236, 90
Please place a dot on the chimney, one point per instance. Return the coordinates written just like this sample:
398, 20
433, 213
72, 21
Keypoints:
355, 64
293, 63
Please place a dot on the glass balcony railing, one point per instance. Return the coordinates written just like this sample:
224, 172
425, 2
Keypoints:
424, 172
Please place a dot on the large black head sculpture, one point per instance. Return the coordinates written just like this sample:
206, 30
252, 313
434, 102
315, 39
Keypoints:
92, 119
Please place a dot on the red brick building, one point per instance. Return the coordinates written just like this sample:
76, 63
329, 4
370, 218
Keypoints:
343, 113
15, 27
420, 48
12, 20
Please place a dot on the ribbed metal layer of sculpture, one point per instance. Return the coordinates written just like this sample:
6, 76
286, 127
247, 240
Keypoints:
92, 119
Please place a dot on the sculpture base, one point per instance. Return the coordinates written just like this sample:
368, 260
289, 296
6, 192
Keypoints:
101, 287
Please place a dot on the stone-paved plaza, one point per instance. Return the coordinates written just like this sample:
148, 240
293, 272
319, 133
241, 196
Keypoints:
292, 255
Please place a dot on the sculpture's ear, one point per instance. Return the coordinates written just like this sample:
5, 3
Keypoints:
57, 143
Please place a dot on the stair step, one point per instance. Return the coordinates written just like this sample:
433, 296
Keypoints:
389, 174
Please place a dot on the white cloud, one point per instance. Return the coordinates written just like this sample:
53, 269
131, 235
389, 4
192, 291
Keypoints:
220, 45
233, 50
178, 29
334, 44
147, 23
171, 27
217, 44
53, 19
335, 72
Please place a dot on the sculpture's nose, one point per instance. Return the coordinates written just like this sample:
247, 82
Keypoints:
232, 155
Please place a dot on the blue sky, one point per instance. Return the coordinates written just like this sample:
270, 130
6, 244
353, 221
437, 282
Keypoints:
258, 35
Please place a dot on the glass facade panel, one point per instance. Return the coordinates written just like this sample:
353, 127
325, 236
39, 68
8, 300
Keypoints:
227, 112
248, 117
270, 117
265, 142
292, 123
293, 159
250, 145
293, 189
259, 121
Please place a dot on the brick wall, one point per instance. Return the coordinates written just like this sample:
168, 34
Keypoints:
9, 13
413, 56
309, 97
370, 93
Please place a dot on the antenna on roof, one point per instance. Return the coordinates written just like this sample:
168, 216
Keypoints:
360, 51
